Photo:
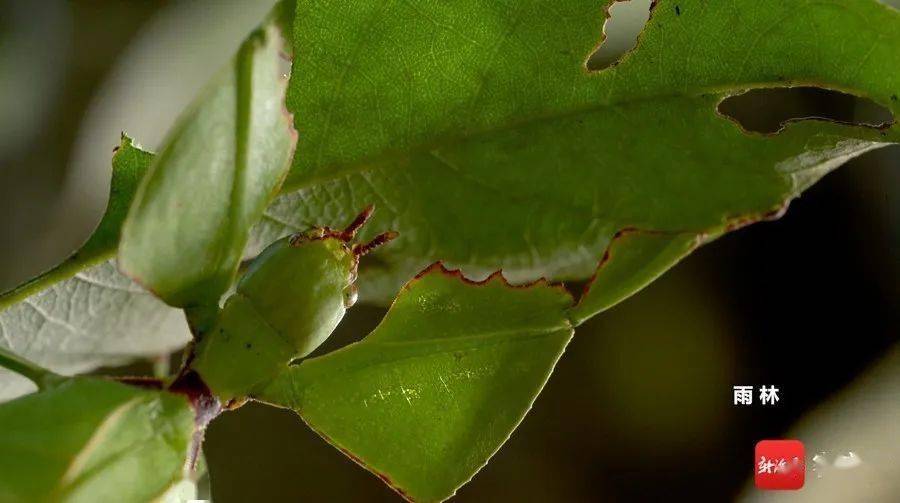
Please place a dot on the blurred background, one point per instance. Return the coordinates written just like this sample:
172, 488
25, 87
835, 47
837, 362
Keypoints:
640, 408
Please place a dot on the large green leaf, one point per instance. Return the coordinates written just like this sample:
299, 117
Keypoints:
479, 133
83, 314
92, 440
436, 389
219, 167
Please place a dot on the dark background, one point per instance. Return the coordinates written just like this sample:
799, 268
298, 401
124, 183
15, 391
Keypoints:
640, 406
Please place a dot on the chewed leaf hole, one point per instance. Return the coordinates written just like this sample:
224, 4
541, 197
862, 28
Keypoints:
769, 110
625, 21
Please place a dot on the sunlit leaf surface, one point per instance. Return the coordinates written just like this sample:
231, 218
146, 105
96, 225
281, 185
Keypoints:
484, 140
425, 399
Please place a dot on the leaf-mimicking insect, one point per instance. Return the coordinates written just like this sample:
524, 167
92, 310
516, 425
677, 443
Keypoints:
288, 302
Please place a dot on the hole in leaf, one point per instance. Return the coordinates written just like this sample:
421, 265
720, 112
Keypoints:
625, 21
769, 110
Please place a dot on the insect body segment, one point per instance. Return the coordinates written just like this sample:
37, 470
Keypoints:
289, 301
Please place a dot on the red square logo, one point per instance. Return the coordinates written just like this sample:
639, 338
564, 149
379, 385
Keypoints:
779, 465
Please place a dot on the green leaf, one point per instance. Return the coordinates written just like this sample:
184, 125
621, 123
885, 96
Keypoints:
477, 130
129, 163
436, 389
219, 167
83, 314
94, 440
633, 260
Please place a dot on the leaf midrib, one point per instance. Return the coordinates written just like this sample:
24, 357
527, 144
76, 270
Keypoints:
390, 157
448, 345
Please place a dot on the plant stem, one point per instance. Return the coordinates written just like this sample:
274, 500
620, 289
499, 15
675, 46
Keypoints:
40, 376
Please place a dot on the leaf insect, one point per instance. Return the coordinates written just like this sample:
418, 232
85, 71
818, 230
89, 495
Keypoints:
288, 302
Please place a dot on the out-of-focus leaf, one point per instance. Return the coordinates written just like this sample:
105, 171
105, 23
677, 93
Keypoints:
485, 142
282, 17
181, 492
83, 314
220, 166
92, 440
435, 390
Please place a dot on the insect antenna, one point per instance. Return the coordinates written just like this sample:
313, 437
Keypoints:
357, 223
362, 249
